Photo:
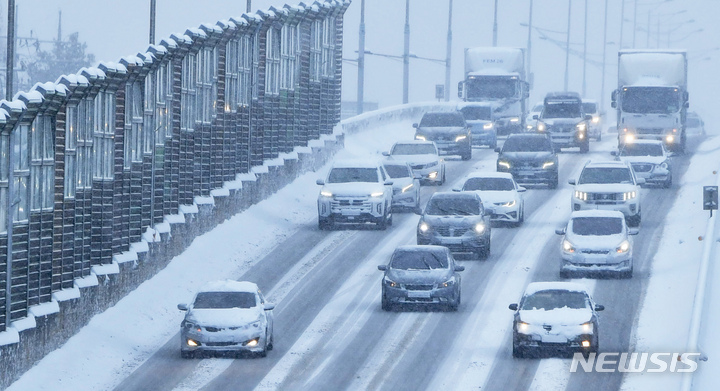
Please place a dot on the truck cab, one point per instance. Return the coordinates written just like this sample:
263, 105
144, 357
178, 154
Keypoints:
564, 119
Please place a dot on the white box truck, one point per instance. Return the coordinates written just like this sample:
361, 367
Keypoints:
497, 75
652, 98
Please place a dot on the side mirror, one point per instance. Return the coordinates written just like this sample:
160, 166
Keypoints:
571, 182
269, 306
415, 125
535, 116
671, 154
382, 267
513, 306
459, 268
497, 149
613, 105
417, 176
320, 182
588, 117
633, 231
456, 189
521, 189
386, 153
388, 183
418, 211
599, 307
560, 231
640, 181
614, 153
687, 105
182, 307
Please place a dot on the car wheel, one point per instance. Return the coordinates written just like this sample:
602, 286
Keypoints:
599, 136
187, 354
585, 147
484, 252
442, 181
467, 155
382, 221
390, 219
553, 184
634, 221
493, 144
455, 304
627, 274
271, 342
564, 274
517, 351
668, 183
385, 302
522, 214
324, 224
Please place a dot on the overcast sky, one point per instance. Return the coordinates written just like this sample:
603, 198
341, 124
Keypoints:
113, 29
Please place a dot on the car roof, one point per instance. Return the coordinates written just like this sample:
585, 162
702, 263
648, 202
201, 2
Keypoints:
355, 163
414, 142
563, 95
534, 287
489, 174
607, 164
529, 135
589, 101
421, 248
597, 213
455, 194
229, 286
442, 113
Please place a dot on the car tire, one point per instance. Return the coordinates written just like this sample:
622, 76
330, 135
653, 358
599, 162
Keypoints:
324, 224
634, 221
553, 184
271, 342
442, 181
454, 305
484, 252
385, 302
585, 147
390, 218
564, 274
517, 351
668, 183
521, 217
467, 155
493, 144
627, 274
599, 136
187, 354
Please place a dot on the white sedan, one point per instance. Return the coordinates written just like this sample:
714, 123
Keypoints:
423, 157
499, 192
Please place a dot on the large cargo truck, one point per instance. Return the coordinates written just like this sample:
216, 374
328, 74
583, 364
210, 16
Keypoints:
652, 98
497, 75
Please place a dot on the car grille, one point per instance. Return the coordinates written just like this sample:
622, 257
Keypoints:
595, 251
561, 128
642, 167
604, 198
526, 165
442, 137
349, 202
649, 130
397, 191
213, 329
452, 231
415, 287
221, 343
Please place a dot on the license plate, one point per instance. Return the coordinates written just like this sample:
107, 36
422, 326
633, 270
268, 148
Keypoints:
554, 338
526, 173
419, 294
351, 212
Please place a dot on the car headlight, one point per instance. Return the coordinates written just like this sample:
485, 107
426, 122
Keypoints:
567, 246
623, 247
460, 137
514, 120
587, 327
669, 139
488, 126
376, 194
547, 165
326, 193
189, 325
664, 165
504, 164
596, 120
509, 204
255, 324
431, 164
423, 227
582, 126
541, 127
528, 127
480, 228
629, 195
390, 282
629, 138
522, 326
406, 188
420, 137
581, 195
433, 175
448, 283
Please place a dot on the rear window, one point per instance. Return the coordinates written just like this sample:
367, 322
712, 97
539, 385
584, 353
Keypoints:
474, 113
597, 225
553, 299
604, 175
527, 144
589, 108
418, 260
207, 300
564, 109
397, 171
413, 149
344, 175
449, 206
489, 184
442, 119
693, 122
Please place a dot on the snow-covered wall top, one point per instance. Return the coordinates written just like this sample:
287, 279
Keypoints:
652, 69
495, 61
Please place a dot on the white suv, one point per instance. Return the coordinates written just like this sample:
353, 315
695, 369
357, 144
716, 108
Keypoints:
355, 192
608, 185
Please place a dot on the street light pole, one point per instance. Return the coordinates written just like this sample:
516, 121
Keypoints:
495, 33
567, 46
249, 3
585, 51
647, 44
622, 23
602, 78
448, 52
406, 53
634, 24
152, 22
10, 63
360, 61
529, 46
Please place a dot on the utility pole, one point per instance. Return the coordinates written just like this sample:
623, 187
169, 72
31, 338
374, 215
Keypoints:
647, 44
10, 63
249, 6
448, 53
361, 61
10, 216
406, 53
634, 24
59, 38
495, 33
567, 46
622, 23
152, 22
602, 78
529, 46
584, 83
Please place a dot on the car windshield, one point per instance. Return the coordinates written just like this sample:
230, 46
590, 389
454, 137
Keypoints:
538, 108
604, 175
444, 206
692, 122
642, 150
561, 110
597, 225
497, 184
413, 149
442, 119
651, 100
397, 171
553, 299
207, 300
474, 113
589, 108
418, 260
527, 144
344, 175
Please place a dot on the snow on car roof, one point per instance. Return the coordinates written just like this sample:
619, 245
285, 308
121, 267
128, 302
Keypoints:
229, 286
597, 213
534, 287
606, 163
414, 142
420, 247
489, 174
355, 163
454, 194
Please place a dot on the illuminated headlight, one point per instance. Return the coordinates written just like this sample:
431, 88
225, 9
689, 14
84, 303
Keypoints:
326, 193
587, 327
629, 138
390, 282
406, 188
581, 136
420, 137
624, 247
528, 127
522, 326
674, 130
582, 126
581, 195
509, 204
488, 126
460, 138
479, 228
448, 283
504, 164
252, 343
669, 138
376, 194
596, 120
514, 120
567, 246
433, 175
541, 127
625, 130
191, 342
548, 164
585, 344
629, 195
423, 227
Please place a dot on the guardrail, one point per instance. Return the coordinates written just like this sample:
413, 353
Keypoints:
393, 113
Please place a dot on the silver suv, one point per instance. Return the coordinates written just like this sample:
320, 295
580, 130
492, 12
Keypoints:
608, 185
355, 192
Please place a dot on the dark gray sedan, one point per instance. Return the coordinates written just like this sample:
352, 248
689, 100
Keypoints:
421, 275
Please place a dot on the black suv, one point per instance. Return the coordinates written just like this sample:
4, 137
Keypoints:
530, 158
448, 130
564, 119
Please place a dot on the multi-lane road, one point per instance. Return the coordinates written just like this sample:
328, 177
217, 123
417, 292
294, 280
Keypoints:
331, 334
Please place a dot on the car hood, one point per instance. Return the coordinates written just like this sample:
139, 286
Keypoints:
606, 187
596, 242
415, 159
490, 197
441, 130
399, 183
224, 317
430, 276
526, 156
561, 121
457, 221
353, 189
644, 159
557, 316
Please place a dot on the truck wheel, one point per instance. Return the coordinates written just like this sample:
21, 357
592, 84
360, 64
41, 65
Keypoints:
668, 182
585, 147
382, 221
467, 155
